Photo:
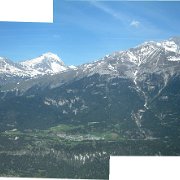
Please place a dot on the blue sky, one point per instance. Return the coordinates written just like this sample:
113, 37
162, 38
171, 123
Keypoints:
84, 31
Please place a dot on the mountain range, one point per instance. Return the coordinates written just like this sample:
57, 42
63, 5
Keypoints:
125, 97
145, 71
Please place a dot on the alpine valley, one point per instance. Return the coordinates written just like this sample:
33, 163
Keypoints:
64, 121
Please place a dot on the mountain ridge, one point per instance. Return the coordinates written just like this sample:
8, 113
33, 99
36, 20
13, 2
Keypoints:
133, 63
49, 63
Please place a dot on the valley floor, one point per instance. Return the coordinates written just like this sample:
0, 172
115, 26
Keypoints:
63, 152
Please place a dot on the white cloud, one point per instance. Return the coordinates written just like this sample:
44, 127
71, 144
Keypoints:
135, 24
120, 16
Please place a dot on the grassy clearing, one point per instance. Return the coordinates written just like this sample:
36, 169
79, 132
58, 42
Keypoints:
64, 132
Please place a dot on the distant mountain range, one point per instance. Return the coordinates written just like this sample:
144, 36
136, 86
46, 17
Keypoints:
50, 64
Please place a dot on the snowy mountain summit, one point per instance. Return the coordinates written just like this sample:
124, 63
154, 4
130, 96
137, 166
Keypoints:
47, 63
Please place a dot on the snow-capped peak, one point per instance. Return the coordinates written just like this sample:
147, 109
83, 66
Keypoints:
52, 56
170, 46
47, 63
44, 58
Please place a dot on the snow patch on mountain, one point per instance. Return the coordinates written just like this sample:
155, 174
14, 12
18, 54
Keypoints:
170, 46
173, 58
73, 67
8, 67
